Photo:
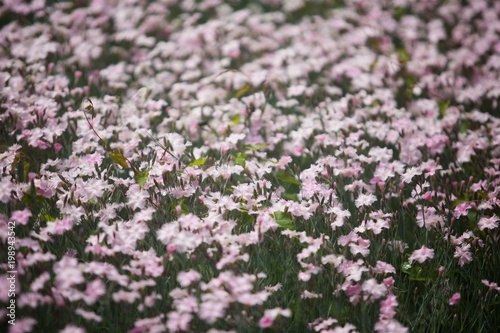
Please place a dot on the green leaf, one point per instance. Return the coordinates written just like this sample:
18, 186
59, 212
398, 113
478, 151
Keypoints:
483, 195
33, 199
26, 168
464, 126
14, 163
290, 196
403, 55
257, 146
235, 119
199, 161
3, 148
248, 220
287, 178
443, 106
47, 218
242, 91
399, 12
118, 158
240, 159
472, 217
417, 273
284, 221
141, 177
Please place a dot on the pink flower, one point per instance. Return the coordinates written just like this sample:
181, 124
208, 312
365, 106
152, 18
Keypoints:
72, 329
383, 268
40, 281
491, 285
6, 187
365, 200
187, 278
57, 147
454, 299
427, 196
271, 314
409, 174
389, 282
321, 324
60, 226
387, 307
351, 289
265, 322
488, 222
421, 254
284, 160
462, 209
178, 321
377, 225
21, 216
463, 254
68, 273
89, 315
95, 289
23, 325
373, 290
390, 325
362, 247
429, 218
136, 197
210, 311
126, 296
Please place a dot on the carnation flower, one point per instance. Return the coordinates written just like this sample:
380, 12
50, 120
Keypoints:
454, 299
421, 254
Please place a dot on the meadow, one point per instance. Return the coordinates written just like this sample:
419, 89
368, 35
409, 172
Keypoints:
249, 166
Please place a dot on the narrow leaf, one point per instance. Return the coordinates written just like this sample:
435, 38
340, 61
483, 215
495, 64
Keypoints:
199, 161
242, 91
287, 178
118, 158
257, 146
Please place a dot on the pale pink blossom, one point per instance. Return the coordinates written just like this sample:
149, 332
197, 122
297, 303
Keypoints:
488, 222
410, 173
421, 255
373, 290
271, 314
187, 278
23, 325
491, 285
388, 306
462, 209
88, 315
21, 216
463, 254
178, 321
390, 326
365, 200
72, 329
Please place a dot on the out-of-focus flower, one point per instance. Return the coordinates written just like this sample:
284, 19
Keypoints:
421, 254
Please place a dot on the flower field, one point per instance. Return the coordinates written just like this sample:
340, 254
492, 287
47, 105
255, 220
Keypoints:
249, 166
